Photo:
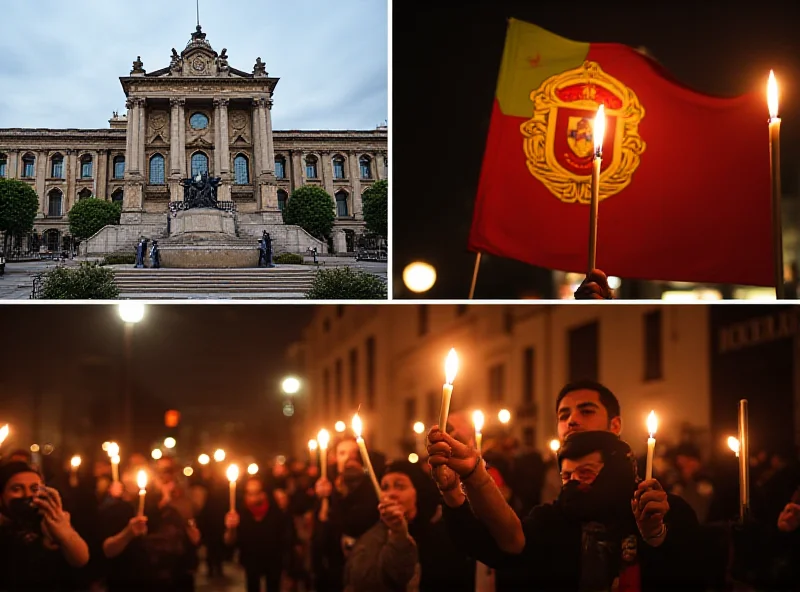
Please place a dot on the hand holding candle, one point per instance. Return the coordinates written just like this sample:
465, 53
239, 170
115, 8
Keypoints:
323, 437
362, 446
141, 481
477, 420
233, 475
598, 133
652, 426
113, 453
450, 371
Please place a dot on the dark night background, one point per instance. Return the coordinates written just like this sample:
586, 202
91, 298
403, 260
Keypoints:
220, 366
446, 56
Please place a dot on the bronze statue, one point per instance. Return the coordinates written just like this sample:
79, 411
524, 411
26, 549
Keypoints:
201, 191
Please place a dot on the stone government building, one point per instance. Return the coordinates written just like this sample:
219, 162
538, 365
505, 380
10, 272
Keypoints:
198, 114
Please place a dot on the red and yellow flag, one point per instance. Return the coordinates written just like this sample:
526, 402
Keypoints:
685, 177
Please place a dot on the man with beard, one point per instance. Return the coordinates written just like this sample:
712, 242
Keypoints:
606, 531
352, 511
38, 547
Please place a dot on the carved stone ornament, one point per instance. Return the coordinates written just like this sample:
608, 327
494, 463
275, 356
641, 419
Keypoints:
138, 66
238, 120
259, 69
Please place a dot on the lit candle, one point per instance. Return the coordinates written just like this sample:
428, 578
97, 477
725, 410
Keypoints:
652, 426
312, 451
450, 371
733, 444
598, 133
113, 453
233, 475
362, 446
775, 170
478, 419
323, 437
74, 463
744, 465
3, 434
141, 481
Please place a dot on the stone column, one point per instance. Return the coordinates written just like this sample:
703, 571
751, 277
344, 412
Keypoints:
13, 160
355, 176
326, 171
142, 137
133, 135
225, 150
217, 141
182, 136
40, 170
70, 170
130, 159
268, 132
257, 164
261, 111
222, 149
176, 117
101, 174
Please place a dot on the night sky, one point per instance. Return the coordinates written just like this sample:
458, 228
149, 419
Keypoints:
446, 56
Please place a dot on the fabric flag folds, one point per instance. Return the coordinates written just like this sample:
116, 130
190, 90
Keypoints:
685, 177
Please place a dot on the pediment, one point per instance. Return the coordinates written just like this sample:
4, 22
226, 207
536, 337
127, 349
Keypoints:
199, 143
240, 140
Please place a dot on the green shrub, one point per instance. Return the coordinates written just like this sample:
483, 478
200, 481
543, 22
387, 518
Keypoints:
88, 216
344, 283
288, 259
312, 209
88, 281
120, 259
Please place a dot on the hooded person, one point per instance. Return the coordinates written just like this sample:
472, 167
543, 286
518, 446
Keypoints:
606, 531
39, 549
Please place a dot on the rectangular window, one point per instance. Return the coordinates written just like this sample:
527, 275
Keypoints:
338, 385
311, 170
280, 173
119, 168
370, 371
353, 376
86, 170
58, 169
584, 352
341, 207
27, 168
653, 353
528, 360
3, 165
497, 379
338, 169
422, 319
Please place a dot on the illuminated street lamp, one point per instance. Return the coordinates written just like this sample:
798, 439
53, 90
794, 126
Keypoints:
504, 415
419, 427
156, 454
131, 313
290, 385
169, 443
419, 276
219, 455
252, 469
340, 426
203, 459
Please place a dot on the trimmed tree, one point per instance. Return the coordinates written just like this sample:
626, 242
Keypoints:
312, 209
18, 206
88, 216
376, 208
344, 283
88, 281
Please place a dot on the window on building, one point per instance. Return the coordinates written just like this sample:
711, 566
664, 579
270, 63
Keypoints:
119, 167
338, 167
365, 163
84, 193
370, 373
52, 238
338, 391
3, 165
497, 382
156, 169
54, 203
198, 121
240, 170
117, 196
528, 376
280, 167
326, 391
283, 199
341, 204
28, 166
422, 319
86, 166
353, 376
57, 167
584, 352
199, 164
653, 351
411, 411
311, 167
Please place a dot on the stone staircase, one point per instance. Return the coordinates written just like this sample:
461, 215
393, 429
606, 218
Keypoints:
282, 282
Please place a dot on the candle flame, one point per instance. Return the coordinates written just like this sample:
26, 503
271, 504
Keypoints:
115, 459
312, 444
141, 479
772, 95
555, 445
3, 433
323, 438
733, 444
233, 473
652, 423
478, 419
599, 129
75, 461
357, 425
113, 449
451, 366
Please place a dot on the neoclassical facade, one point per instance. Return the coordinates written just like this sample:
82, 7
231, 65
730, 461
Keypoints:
198, 114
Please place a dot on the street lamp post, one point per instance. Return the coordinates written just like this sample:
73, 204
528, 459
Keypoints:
130, 313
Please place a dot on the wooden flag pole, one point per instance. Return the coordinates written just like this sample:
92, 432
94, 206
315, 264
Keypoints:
475, 276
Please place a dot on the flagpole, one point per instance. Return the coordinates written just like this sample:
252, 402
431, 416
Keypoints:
598, 134
475, 275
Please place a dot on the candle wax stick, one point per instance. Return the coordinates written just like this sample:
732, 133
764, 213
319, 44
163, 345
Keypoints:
593, 211
142, 493
323, 464
651, 446
115, 471
775, 171
478, 441
367, 463
744, 466
447, 392
233, 496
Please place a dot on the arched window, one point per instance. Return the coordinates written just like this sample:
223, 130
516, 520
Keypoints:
54, 202
311, 167
156, 169
365, 164
280, 167
52, 238
119, 167
338, 167
117, 196
283, 199
57, 166
86, 166
28, 165
199, 164
84, 193
341, 204
3, 165
240, 170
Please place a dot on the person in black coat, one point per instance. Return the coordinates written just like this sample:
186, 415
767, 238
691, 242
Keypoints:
264, 535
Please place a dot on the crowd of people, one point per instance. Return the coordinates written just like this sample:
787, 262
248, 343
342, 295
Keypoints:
462, 519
